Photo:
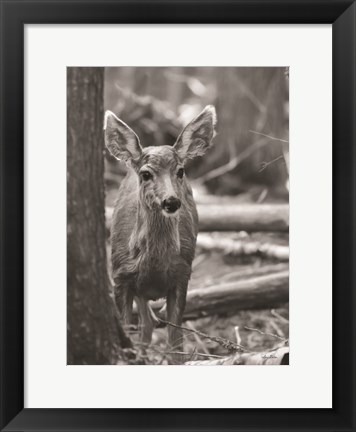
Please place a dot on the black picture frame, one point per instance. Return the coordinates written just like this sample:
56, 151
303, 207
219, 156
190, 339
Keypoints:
14, 15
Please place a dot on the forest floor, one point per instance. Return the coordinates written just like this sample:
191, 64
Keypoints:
256, 330
270, 325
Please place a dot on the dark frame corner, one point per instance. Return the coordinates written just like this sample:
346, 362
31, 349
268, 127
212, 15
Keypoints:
16, 13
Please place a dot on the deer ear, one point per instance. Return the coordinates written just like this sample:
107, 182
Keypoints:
197, 136
120, 139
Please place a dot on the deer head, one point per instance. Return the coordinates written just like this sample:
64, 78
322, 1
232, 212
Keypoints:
160, 169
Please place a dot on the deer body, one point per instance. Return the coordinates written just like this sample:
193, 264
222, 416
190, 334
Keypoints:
150, 251
155, 223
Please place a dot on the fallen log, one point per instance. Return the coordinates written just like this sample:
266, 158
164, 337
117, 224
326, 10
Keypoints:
228, 246
256, 293
279, 356
234, 217
244, 217
253, 271
262, 292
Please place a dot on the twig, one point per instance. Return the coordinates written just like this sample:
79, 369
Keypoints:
198, 260
167, 353
266, 333
231, 346
286, 158
264, 165
232, 164
237, 334
198, 354
269, 136
277, 328
193, 352
262, 196
277, 315
197, 338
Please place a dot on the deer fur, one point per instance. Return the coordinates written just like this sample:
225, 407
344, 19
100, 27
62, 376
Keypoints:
155, 222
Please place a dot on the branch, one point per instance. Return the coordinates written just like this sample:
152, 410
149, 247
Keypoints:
269, 136
266, 333
232, 164
264, 165
231, 346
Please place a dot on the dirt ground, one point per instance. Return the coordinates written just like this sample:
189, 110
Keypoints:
256, 330
212, 269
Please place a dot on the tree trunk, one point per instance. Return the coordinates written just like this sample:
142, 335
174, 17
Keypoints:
94, 334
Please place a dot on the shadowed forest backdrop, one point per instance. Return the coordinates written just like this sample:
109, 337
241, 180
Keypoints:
239, 289
158, 102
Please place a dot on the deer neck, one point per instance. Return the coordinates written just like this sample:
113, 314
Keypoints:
155, 234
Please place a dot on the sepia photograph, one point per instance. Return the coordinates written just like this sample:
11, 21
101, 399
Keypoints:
160, 260
178, 216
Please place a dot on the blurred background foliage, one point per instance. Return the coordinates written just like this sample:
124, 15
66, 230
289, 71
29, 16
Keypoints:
157, 102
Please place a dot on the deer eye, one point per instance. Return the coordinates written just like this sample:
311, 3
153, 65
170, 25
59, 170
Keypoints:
146, 175
180, 173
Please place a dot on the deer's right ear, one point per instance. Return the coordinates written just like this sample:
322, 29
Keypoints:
120, 139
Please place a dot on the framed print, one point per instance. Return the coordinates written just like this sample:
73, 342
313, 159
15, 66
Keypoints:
177, 215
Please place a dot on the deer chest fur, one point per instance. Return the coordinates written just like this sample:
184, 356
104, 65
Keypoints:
154, 255
155, 252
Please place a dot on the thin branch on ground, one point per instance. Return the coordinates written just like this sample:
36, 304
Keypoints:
277, 328
269, 136
197, 338
279, 316
191, 354
266, 333
237, 334
195, 353
231, 346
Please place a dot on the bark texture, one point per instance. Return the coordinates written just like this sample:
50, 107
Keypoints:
94, 333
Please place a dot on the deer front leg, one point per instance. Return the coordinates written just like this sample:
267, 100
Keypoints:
147, 320
124, 302
175, 308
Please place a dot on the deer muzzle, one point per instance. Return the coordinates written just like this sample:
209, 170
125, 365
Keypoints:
171, 204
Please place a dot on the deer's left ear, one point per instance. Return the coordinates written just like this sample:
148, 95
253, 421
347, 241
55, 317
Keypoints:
197, 136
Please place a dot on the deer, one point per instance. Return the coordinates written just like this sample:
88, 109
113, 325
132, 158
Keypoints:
155, 223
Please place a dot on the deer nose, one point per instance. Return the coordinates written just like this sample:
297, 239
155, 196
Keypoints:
171, 204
